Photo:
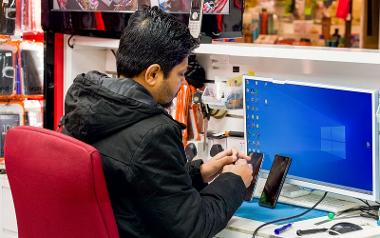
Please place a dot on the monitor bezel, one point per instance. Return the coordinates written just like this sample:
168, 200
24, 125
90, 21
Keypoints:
374, 196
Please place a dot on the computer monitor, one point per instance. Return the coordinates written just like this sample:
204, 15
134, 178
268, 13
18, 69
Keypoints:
331, 133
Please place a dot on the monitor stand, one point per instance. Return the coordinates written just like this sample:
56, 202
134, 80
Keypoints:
293, 191
307, 198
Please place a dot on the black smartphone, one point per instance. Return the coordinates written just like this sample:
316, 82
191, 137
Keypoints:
256, 162
275, 180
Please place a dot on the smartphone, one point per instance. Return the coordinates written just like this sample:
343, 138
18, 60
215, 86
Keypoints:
195, 19
256, 162
275, 181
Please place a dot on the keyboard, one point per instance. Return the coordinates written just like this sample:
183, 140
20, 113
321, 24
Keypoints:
328, 204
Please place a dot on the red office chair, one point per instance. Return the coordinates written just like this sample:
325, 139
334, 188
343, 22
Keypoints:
57, 185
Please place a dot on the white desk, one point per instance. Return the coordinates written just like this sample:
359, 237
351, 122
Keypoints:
237, 227
243, 228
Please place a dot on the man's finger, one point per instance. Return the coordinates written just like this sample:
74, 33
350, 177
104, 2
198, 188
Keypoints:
241, 162
224, 153
245, 157
226, 160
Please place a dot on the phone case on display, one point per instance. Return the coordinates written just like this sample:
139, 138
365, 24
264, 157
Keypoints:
8, 73
32, 77
7, 17
195, 18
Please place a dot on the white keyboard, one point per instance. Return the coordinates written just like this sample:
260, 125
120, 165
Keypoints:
328, 204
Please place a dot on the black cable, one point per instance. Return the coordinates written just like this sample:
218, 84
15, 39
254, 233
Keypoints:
113, 52
364, 201
289, 218
71, 45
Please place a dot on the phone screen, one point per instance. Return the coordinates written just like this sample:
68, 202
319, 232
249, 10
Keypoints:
195, 12
275, 180
256, 162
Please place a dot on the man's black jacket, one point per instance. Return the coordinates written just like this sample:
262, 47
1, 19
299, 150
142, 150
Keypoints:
153, 192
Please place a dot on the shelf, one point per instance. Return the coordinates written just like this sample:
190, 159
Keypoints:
235, 112
94, 42
254, 50
292, 52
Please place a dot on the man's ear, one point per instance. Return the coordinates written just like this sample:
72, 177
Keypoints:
152, 74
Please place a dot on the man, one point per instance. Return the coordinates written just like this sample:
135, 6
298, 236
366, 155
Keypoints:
153, 192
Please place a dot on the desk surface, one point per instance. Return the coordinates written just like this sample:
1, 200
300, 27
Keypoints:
243, 228
252, 210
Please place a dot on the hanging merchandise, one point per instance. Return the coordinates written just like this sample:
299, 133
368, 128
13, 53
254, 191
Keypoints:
264, 21
327, 3
219, 7
96, 5
8, 73
290, 6
32, 78
183, 103
11, 115
308, 10
31, 16
343, 9
7, 17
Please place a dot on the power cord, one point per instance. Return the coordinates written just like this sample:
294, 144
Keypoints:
289, 218
113, 52
364, 201
368, 211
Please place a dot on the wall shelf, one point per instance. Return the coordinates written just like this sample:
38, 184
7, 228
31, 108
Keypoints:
360, 56
254, 50
292, 52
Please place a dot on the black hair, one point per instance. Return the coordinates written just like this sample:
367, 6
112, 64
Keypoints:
153, 37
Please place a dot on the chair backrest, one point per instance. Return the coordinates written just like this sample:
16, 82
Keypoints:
58, 186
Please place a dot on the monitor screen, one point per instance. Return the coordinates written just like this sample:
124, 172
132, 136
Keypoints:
328, 132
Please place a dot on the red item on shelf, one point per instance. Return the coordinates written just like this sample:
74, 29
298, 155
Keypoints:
99, 21
343, 8
33, 36
264, 22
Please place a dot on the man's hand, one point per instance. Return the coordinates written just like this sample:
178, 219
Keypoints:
214, 167
242, 169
